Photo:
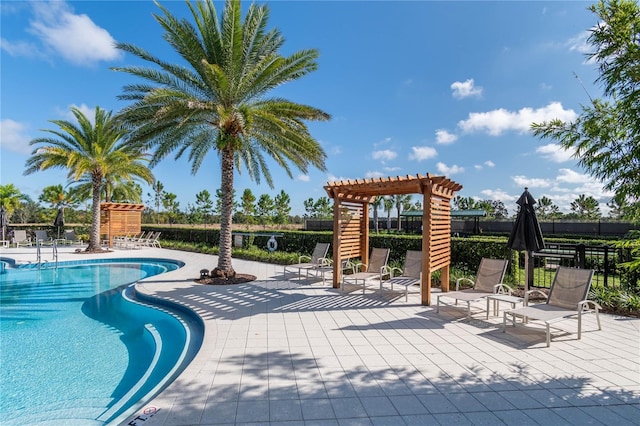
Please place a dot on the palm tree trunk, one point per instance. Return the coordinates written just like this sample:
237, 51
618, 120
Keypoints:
225, 269
94, 237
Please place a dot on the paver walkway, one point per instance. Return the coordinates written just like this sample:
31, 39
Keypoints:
289, 352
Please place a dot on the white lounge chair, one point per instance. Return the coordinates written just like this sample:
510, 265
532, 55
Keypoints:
410, 274
376, 268
488, 281
20, 238
42, 237
317, 260
567, 298
70, 237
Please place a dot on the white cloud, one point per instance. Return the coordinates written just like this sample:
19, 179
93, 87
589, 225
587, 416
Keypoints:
524, 181
465, 89
498, 121
477, 167
443, 137
571, 176
13, 136
384, 141
448, 171
579, 43
555, 153
304, 178
498, 195
489, 163
384, 155
374, 174
74, 37
420, 153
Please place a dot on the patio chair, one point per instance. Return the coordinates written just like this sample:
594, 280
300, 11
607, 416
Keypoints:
42, 238
317, 260
151, 240
410, 274
377, 268
488, 281
567, 298
70, 237
20, 238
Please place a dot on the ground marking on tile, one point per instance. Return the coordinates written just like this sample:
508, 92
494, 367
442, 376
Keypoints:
147, 413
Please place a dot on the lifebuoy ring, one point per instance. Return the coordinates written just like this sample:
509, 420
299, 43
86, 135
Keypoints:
272, 244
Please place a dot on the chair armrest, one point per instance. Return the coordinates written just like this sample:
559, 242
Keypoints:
584, 304
324, 261
303, 257
385, 271
394, 270
530, 292
459, 280
502, 289
358, 266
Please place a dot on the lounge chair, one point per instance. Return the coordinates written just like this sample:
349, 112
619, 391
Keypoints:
488, 281
70, 237
151, 240
410, 274
42, 237
20, 238
567, 297
377, 268
317, 260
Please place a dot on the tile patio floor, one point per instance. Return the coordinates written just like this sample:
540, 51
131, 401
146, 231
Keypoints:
294, 352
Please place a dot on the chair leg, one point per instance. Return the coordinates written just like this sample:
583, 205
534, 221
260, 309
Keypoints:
549, 335
468, 310
579, 325
437, 304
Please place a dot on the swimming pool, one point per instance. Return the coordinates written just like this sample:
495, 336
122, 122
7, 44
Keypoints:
77, 346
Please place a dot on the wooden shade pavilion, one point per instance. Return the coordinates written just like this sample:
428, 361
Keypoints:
120, 219
351, 201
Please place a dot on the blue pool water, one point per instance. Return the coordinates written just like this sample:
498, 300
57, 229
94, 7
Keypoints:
74, 347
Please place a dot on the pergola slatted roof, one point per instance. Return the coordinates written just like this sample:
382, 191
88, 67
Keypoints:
351, 221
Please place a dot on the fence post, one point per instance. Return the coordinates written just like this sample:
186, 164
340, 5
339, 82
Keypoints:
606, 266
581, 251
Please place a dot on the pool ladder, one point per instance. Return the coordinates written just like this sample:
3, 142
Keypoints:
39, 260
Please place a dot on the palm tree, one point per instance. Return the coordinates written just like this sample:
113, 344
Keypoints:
89, 151
402, 202
387, 205
375, 205
10, 198
219, 101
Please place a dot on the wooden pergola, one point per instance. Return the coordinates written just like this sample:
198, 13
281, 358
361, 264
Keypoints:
351, 201
120, 219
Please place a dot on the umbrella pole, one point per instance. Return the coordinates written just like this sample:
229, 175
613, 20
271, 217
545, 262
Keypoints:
528, 271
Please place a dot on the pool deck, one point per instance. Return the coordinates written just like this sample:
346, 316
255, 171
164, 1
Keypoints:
289, 351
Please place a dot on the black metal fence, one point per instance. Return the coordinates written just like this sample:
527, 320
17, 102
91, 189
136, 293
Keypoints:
604, 259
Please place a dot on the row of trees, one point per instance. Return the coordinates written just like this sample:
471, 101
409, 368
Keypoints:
162, 207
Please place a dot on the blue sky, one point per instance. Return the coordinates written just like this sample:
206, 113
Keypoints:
448, 88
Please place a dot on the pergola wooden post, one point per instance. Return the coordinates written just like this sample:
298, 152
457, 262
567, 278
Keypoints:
351, 221
120, 219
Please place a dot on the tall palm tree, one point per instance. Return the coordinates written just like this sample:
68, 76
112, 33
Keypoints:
387, 205
219, 100
402, 202
375, 205
89, 151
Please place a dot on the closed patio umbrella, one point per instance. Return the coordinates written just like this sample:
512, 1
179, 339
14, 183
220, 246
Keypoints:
3, 220
526, 234
59, 222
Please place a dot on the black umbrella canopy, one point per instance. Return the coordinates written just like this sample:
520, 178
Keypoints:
59, 218
59, 222
3, 220
526, 234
